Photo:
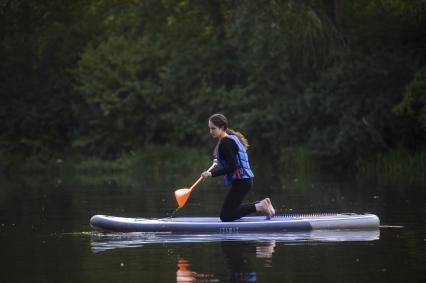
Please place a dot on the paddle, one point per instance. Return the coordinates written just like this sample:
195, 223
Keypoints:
182, 195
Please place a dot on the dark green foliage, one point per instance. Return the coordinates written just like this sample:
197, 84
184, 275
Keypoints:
334, 81
413, 104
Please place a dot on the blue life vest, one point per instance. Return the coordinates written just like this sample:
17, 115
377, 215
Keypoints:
243, 167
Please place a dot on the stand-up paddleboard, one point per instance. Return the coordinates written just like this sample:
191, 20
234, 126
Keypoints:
300, 222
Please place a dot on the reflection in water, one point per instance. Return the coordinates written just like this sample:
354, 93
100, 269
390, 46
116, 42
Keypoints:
236, 259
266, 250
242, 252
243, 277
239, 258
107, 241
184, 274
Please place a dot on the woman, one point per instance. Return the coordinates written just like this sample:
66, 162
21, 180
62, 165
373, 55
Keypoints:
232, 156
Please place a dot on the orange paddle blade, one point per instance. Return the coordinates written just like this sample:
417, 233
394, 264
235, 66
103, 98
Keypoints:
182, 196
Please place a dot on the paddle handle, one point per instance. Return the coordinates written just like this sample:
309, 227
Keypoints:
201, 178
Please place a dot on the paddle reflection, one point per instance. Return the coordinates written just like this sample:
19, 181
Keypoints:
185, 274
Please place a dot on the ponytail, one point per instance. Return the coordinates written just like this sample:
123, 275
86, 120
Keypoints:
240, 136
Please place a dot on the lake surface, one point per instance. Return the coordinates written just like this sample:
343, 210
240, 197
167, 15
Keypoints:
46, 237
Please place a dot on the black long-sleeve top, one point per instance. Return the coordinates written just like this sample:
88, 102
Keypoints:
228, 150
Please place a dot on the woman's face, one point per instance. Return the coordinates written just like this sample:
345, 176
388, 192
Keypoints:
215, 131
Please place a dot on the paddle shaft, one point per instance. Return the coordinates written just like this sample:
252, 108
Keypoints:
201, 178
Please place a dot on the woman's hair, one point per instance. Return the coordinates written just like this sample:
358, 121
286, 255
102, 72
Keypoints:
221, 121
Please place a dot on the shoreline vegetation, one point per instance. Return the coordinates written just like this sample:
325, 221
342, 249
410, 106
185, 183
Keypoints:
153, 158
396, 167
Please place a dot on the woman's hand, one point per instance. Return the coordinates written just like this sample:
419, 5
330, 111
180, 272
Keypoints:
206, 174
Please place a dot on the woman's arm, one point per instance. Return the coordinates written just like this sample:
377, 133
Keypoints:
228, 152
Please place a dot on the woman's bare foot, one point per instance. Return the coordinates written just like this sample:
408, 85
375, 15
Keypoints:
271, 208
263, 207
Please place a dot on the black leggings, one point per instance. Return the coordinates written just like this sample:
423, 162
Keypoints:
232, 209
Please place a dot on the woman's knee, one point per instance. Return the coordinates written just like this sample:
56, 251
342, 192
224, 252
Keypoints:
224, 216
227, 217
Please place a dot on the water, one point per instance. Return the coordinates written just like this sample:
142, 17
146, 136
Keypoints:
45, 235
